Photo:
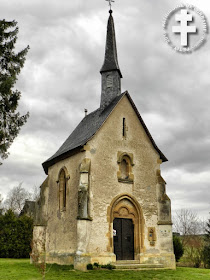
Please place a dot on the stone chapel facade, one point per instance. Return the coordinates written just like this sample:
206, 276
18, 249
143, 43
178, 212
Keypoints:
104, 199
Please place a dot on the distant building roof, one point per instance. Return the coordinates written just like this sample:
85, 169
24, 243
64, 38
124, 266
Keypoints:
86, 129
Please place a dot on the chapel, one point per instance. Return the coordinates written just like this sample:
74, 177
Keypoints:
104, 199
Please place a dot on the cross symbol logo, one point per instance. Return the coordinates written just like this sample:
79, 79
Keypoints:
184, 29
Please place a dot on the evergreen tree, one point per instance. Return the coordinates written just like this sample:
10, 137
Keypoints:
178, 247
15, 235
206, 250
10, 66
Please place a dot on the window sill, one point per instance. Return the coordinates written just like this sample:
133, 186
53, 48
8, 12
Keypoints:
127, 181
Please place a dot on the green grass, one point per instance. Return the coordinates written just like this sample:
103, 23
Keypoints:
14, 269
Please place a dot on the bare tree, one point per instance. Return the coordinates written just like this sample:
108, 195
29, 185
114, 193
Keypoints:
35, 193
187, 222
16, 198
190, 227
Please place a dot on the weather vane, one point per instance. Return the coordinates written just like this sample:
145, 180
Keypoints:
110, 3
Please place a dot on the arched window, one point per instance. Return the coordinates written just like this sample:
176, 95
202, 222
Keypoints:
62, 181
109, 81
125, 162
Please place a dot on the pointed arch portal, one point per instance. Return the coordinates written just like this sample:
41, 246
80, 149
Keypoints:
126, 228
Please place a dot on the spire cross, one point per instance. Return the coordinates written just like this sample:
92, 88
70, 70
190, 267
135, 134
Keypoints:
110, 3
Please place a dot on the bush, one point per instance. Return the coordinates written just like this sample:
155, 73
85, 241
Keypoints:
15, 235
178, 248
98, 266
89, 266
108, 266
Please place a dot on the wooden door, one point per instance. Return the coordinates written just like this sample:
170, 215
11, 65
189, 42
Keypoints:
123, 239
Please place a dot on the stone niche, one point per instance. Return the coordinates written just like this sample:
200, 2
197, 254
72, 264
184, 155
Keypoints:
125, 162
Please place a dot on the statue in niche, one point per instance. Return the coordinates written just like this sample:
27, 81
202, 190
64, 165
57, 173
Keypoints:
83, 201
124, 169
83, 190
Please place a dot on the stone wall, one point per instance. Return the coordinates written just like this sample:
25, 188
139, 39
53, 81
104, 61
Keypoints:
61, 231
103, 150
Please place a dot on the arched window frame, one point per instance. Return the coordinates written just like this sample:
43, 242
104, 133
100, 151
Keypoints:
121, 159
63, 178
109, 81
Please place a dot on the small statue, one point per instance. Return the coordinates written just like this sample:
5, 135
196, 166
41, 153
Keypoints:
83, 202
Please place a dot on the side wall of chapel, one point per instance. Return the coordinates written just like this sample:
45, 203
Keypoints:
61, 230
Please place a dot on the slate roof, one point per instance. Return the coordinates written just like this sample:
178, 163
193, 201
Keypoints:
110, 60
86, 129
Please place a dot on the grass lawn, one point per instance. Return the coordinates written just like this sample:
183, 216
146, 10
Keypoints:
14, 269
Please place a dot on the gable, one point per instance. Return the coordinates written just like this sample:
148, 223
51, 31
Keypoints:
125, 129
87, 129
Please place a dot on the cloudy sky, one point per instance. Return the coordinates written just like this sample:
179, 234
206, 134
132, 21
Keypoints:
61, 77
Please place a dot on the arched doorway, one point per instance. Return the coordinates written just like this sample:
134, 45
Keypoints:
125, 228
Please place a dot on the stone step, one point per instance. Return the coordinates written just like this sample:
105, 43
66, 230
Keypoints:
127, 262
131, 265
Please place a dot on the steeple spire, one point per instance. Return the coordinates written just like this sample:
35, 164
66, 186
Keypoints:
110, 60
110, 71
